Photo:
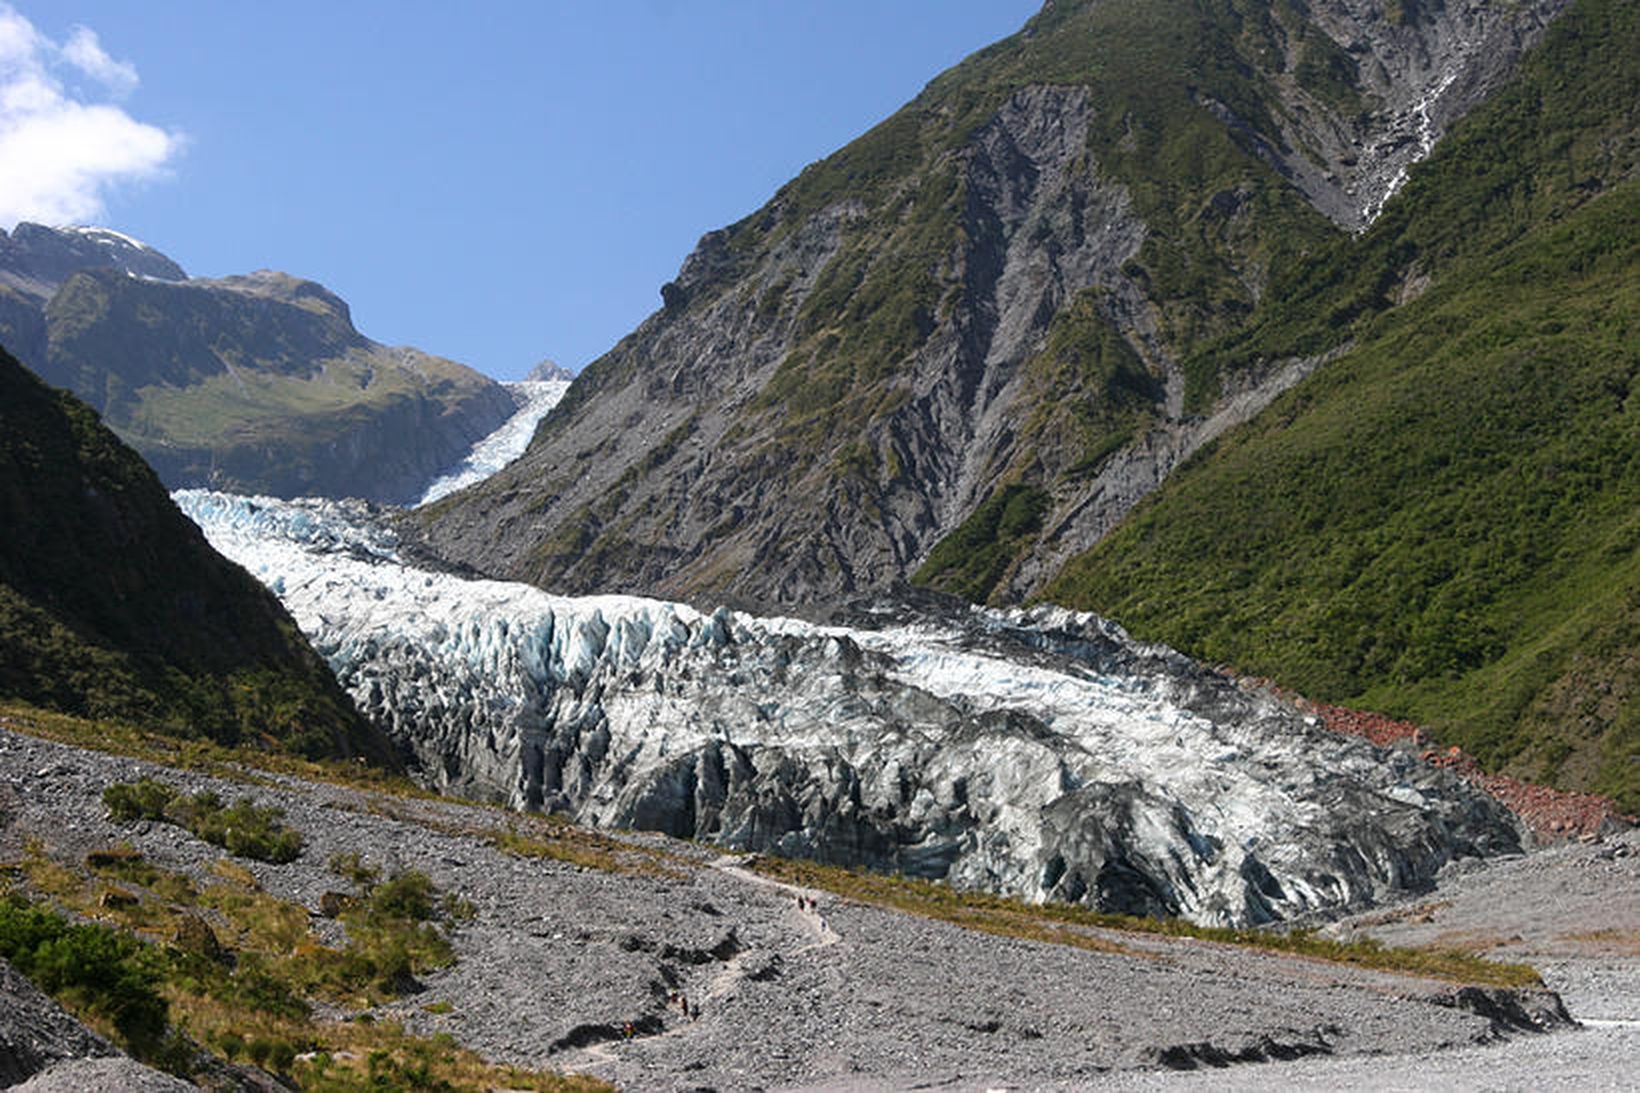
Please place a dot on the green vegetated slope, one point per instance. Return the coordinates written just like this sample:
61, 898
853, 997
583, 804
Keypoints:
1444, 524
261, 384
113, 605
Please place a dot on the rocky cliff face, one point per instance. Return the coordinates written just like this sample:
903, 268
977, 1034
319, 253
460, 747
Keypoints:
1037, 753
1419, 67
256, 382
996, 288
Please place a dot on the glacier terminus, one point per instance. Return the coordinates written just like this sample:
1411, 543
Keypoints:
1039, 752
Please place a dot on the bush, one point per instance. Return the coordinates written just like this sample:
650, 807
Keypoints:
407, 896
91, 969
243, 828
352, 866
144, 799
249, 831
394, 930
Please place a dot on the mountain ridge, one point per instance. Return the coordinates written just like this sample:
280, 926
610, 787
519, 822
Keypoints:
990, 288
257, 382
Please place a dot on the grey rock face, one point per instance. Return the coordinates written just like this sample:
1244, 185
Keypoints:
715, 507
674, 467
35, 1032
548, 370
1042, 754
1423, 73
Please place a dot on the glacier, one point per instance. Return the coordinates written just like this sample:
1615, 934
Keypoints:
1036, 752
507, 443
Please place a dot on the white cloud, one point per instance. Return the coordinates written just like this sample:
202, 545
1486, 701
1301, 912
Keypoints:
84, 52
62, 148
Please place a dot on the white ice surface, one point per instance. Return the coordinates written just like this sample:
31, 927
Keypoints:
504, 445
482, 674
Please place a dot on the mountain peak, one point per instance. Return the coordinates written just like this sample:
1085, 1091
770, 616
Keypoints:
49, 256
277, 285
547, 370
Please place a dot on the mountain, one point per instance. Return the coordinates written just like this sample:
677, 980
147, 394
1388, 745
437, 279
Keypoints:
112, 605
258, 383
963, 348
972, 312
549, 371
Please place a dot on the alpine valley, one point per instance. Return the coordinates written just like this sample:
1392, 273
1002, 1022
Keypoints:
1395, 242
883, 668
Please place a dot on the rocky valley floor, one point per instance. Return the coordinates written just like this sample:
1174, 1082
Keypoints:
583, 967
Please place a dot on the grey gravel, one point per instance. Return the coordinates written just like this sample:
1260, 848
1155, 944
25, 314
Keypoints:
560, 959
119, 1074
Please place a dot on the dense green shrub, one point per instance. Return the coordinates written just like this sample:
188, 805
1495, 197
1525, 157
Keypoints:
144, 799
91, 969
352, 866
243, 828
971, 560
1441, 525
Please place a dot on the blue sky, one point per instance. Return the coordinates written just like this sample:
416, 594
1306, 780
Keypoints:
492, 181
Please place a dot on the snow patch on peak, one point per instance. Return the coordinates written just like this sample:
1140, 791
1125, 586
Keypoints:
108, 237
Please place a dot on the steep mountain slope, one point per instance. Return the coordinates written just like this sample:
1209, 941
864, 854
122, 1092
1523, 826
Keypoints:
1445, 523
256, 383
980, 311
113, 605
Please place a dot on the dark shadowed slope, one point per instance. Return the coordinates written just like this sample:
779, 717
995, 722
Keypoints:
112, 603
